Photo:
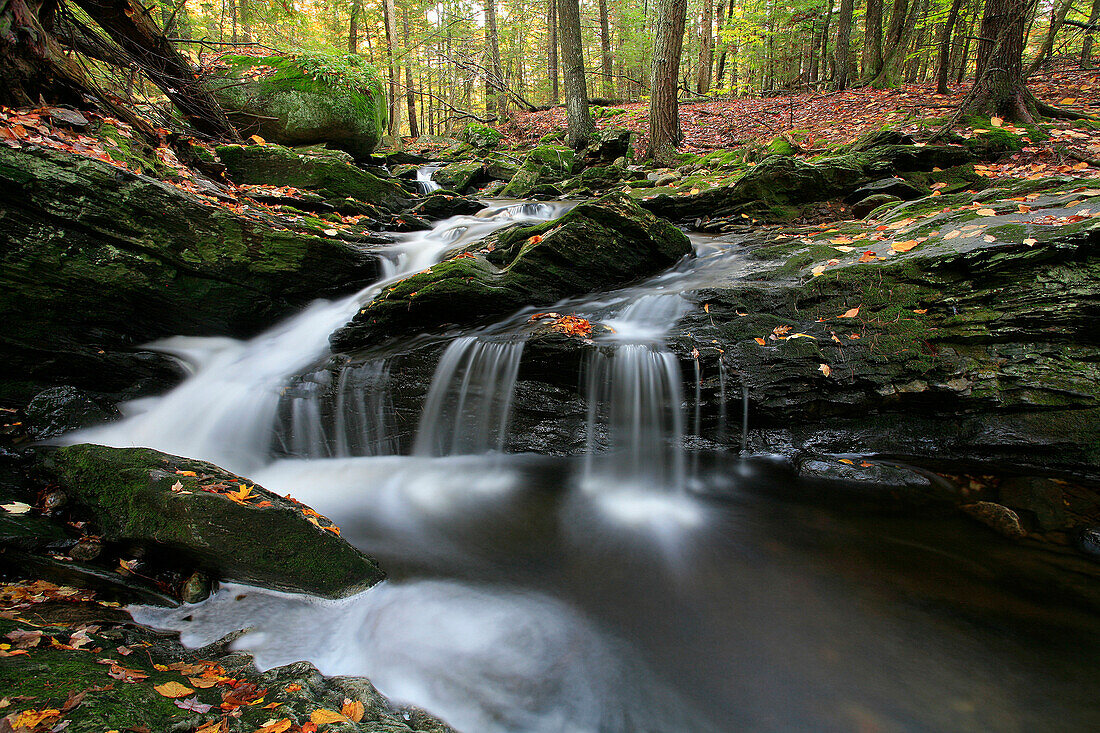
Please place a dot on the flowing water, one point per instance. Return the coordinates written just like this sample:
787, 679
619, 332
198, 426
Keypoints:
598, 593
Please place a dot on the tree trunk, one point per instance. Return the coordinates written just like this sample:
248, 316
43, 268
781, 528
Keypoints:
825, 38
943, 69
1057, 18
843, 44
726, 46
1086, 44
495, 101
552, 48
872, 39
389, 20
410, 96
244, 15
579, 120
897, 38
999, 82
706, 48
605, 52
353, 26
664, 110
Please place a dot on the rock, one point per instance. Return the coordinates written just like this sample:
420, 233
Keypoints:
502, 166
878, 138
544, 164
306, 99
481, 136
596, 246
86, 550
1000, 519
460, 176
866, 205
196, 588
666, 179
98, 259
58, 410
883, 476
1087, 540
441, 205
899, 188
610, 143
330, 173
145, 497
781, 186
1039, 496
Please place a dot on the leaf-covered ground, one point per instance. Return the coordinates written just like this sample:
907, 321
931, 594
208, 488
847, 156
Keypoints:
819, 120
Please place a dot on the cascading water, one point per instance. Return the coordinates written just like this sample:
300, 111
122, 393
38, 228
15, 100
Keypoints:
470, 399
424, 181
635, 400
227, 410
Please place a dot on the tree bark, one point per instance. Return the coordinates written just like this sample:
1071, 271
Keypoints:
897, 38
389, 20
872, 39
578, 118
353, 26
999, 82
244, 15
706, 48
843, 51
552, 48
943, 69
1057, 18
605, 52
664, 110
495, 102
1086, 43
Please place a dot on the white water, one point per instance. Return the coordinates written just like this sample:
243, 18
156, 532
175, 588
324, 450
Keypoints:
424, 181
225, 412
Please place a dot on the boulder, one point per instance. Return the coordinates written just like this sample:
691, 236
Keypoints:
441, 205
502, 166
330, 173
898, 188
306, 99
865, 206
481, 136
58, 410
609, 144
460, 176
98, 259
544, 164
197, 514
596, 246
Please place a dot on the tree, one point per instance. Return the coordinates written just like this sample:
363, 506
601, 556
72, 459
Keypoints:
1086, 43
1058, 14
664, 110
552, 48
843, 49
578, 118
706, 48
944, 64
872, 39
605, 52
495, 101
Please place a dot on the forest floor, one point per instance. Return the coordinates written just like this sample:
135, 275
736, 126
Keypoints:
828, 119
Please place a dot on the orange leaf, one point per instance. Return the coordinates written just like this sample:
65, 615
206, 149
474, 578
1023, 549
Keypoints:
353, 710
322, 716
868, 256
825, 369
276, 726
850, 313
904, 246
760, 341
173, 689
257, 139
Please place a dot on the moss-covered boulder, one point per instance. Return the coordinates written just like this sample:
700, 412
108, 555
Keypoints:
202, 515
305, 99
330, 173
596, 246
481, 136
460, 176
97, 260
544, 164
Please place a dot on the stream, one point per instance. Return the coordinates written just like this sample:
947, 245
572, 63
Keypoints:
637, 587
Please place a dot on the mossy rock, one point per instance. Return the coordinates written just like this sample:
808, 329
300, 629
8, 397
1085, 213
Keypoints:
180, 508
993, 143
330, 173
502, 166
98, 259
780, 146
604, 244
544, 164
306, 99
460, 176
481, 136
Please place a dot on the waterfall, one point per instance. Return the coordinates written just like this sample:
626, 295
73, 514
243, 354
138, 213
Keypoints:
424, 181
470, 399
228, 411
635, 401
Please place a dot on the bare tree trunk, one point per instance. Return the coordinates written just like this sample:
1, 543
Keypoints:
245, 17
706, 48
843, 50
353, 26
389, 19
726, 46
825, 39
495, 101
872, 39
1086, 44
664, 109
410, 96
1057, 18
605, 52
943, 69
552, 48
579, 120
897, 38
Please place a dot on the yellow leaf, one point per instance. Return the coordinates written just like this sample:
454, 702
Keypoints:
706, 307
845, 460
904, 246
850, 313
257, 139
920, 311
330, 232
986, 212
996, 121
353, 710
173, 689
825, 369
952, 234
276, 726
1031, 242
30, 719
1068, 100
844, 248
801, 336
818, 271
322, 716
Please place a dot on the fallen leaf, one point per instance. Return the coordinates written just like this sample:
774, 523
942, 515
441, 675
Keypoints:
996, 121
275, 726
825, 369
1031, 242
986, 212
353, 710
868, 256
16, 507
850, 313
920, 311
257, 139
952, 234
323, 716
904, 246
760, 341
331, 232
173, 689
192, 704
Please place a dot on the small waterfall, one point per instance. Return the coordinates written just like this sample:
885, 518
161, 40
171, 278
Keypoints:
744, 418
351, 418
470, 400
635, 401
424, 181
722, 411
